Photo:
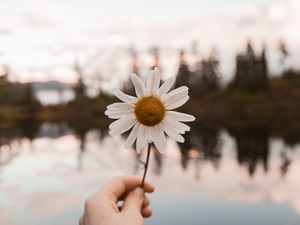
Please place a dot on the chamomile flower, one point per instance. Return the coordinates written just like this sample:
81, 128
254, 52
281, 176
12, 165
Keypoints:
150, 114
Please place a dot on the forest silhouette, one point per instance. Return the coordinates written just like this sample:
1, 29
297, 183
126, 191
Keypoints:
253, 107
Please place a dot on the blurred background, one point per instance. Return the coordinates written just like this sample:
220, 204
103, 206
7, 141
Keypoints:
60, 60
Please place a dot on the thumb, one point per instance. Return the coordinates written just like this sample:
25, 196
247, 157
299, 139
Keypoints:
134, 200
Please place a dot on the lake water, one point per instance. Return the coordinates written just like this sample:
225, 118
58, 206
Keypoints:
215, 178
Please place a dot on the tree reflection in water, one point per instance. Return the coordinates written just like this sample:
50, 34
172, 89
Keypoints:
81, 134
252, 148
285, 163
202, 144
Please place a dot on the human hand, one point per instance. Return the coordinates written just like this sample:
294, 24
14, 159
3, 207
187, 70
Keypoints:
102, 207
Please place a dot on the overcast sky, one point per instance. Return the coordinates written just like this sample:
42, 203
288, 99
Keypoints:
39, 39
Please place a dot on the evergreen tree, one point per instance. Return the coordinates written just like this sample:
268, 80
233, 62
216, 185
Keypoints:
206, 76
183, 74
251, 70
210, 73
4, 83
79, 89
29, 100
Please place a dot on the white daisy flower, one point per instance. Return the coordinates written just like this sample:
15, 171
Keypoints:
150, 113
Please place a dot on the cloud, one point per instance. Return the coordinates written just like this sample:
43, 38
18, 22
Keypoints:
68, 28
40, 19
5, 31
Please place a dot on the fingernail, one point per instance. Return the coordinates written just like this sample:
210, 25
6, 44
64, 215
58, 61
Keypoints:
139, 191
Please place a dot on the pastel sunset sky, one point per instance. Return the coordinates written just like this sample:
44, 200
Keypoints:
40, 39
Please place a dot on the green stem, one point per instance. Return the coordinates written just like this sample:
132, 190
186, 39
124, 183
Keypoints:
146, 165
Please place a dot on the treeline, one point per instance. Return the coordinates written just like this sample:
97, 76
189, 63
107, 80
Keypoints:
202, 75
252, 96
251, 72
13, 93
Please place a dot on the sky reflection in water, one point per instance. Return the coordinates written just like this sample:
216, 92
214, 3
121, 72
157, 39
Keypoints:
47, 180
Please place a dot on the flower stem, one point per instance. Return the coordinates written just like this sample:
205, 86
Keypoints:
146, 165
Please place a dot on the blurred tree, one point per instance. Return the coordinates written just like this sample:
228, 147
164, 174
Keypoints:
251, 70
209, 72
4, 83
290, 74
156, 58
79, 89
183, 74
128, 86
5, 74
264, 63
205, 78
284, 53
29, 98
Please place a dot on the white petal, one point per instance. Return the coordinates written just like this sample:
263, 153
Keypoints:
125, 118
156, 80
178, 103
180, 116
174, 95
171, 133
174, 126
117, 114
138, 85
153, 80
166, 86
123, 126
159, 139
120, 106
124, 97
177, 124
149, 82
132, 136
141, 139
149, 132
183, 126
145, 144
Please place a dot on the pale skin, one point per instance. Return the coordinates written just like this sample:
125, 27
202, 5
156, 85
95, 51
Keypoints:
103, 209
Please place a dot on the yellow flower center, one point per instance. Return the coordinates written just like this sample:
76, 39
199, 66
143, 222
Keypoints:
150, 111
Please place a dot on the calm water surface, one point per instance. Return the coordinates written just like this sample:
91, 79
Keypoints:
214, 178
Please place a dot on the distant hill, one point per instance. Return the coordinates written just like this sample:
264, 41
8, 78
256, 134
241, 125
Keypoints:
51, 85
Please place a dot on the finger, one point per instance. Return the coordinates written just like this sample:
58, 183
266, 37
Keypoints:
146, 202
126, 193
134, 201
147, 212
120, 187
